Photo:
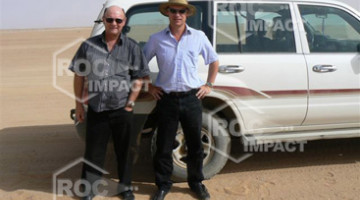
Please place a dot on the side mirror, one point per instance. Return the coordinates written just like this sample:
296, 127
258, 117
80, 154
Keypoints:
322, 15
99, 21
126, 29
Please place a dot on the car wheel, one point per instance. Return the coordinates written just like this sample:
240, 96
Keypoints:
216, 144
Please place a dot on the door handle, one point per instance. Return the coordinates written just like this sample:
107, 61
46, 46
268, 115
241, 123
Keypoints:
228, 69
324, 68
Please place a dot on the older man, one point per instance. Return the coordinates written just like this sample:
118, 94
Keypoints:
179, 91
114, 66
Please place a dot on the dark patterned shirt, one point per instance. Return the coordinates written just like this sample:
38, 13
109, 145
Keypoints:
109, 74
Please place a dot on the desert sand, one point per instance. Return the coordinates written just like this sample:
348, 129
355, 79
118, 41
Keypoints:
37, 138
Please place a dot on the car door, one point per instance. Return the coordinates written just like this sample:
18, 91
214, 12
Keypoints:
333, 60
262, 65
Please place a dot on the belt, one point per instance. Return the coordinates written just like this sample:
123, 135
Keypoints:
183, 94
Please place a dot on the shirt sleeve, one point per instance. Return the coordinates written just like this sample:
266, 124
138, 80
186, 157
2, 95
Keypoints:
77, 62
149, 49
207, 50
140, 65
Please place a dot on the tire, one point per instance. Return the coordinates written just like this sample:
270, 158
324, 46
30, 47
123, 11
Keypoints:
216, 144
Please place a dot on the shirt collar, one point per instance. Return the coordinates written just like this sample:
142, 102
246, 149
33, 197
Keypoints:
120, 41
188, 29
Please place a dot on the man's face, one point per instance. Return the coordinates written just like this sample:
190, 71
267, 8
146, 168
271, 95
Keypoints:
177, 15
114, 20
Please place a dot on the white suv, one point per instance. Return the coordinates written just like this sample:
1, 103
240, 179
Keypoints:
289, 71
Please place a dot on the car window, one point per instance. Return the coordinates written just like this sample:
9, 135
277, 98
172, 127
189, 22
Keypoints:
144, 21
330, 29
255, 28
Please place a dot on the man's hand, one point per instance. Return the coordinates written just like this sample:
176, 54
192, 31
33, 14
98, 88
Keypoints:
128, 108
156, 92
203, 91
80, 113
206, 89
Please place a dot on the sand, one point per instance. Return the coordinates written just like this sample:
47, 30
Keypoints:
37, 138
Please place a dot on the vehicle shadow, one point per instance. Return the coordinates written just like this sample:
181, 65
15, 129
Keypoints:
314, 153
31, 156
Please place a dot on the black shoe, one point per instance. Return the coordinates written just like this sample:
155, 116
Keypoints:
200, 191
90, 197
127, 195
160, 194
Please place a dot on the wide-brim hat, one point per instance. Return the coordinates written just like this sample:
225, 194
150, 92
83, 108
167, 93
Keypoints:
164, 6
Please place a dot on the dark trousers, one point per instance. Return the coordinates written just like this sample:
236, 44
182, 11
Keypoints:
188, 111
100, 126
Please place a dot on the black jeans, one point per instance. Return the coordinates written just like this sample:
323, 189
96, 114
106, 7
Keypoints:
188, 111
100, 126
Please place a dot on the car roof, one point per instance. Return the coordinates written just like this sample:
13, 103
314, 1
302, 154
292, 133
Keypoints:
133, 2
128, 4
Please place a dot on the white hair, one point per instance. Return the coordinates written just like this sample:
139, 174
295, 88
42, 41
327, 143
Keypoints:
114, 6
111, 3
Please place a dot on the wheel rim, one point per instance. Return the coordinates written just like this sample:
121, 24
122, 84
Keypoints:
180, 150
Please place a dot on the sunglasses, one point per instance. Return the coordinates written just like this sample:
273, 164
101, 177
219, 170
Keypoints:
180, 11
111, 20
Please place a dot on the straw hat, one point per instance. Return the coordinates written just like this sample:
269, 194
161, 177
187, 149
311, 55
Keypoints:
163, 7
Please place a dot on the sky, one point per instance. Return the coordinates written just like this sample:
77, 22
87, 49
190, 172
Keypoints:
38, 14
34, 14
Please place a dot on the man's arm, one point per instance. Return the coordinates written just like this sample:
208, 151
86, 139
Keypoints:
78, 90
135, 91
149, 52
213, 70
155, 91
206, 89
